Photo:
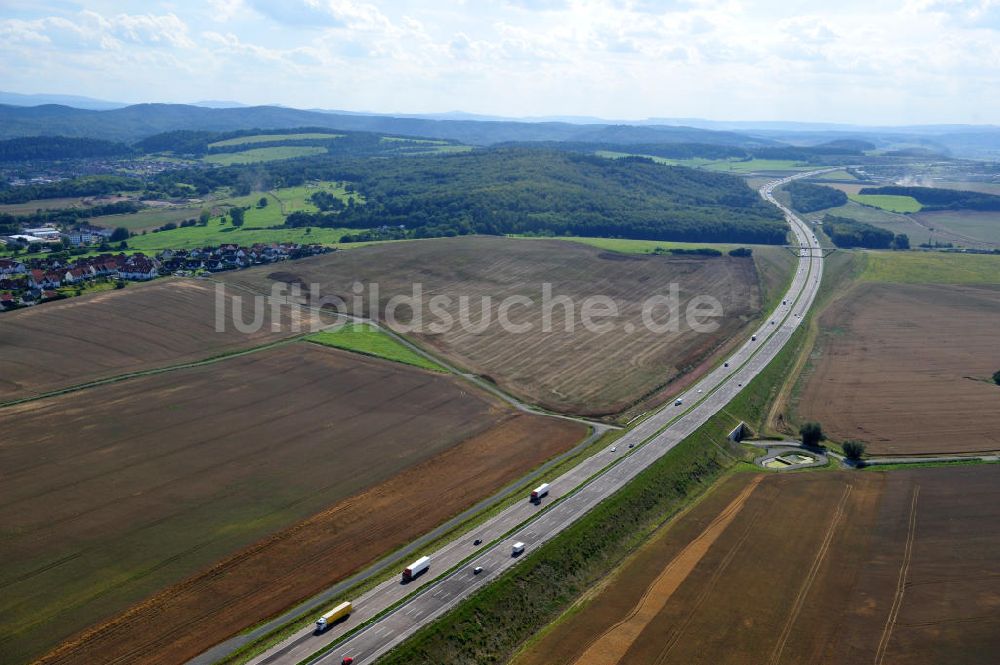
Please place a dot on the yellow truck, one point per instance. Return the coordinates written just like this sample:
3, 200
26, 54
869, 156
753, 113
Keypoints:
333, 616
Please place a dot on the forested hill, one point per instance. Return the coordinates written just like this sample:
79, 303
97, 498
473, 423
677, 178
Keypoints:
59, 147
136, 122
524, 190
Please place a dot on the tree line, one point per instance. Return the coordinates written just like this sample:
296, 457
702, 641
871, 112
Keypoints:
936, 198
849, 233
807, 197
98, 185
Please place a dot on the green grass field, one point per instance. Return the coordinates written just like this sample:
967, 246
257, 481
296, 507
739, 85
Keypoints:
281, 203
255, 155
269, 138
217, 233
403, 139
149, 218
628, 246
887, 202
370, 341
931, 268
980, 225
722, 165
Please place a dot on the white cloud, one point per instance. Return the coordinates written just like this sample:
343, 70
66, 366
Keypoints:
854, 60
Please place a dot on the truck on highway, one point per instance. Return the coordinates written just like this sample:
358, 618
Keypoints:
517, 549
416, 568
333, 616
539, 492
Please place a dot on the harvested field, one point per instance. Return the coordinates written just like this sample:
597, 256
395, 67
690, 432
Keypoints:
906, 368
190, 481
581, 371
830, 568
143, 326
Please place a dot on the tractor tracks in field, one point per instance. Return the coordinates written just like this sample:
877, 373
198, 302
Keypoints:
904, 569
800, 597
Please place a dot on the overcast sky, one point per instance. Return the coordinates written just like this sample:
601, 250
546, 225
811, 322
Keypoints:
871, 61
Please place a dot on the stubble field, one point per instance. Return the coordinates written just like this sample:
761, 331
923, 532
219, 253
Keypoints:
906, 368
805, 568
140, 327
190, 480
593, 373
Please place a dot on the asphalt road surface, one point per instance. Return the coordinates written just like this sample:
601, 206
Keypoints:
403, 608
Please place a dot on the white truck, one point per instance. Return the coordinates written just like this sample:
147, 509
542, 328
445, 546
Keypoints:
517, 549
333, 616
416, 568
539, 492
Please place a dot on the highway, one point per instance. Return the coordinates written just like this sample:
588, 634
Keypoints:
400, 609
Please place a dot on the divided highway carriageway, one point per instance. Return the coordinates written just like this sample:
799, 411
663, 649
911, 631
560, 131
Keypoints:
389, 613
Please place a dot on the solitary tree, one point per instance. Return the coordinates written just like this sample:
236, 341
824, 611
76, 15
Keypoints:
996, 377
812, 434
854, 449
901, 241
236, 214
262, 203
204, 217
119, 234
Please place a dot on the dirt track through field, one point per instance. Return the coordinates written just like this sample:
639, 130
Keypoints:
611, 646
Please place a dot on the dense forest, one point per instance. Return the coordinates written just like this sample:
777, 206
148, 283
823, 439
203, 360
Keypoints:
933, 198
848, 233
807, 197
521, 190
59, 147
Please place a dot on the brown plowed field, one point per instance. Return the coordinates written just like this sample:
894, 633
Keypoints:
825, 568
906, 368
580, 372
117, 492
106, 334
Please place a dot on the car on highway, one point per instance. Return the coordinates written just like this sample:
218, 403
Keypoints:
678, 402
477, 541
614, 449
477, 570
347, 660
753, 338
725, 364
